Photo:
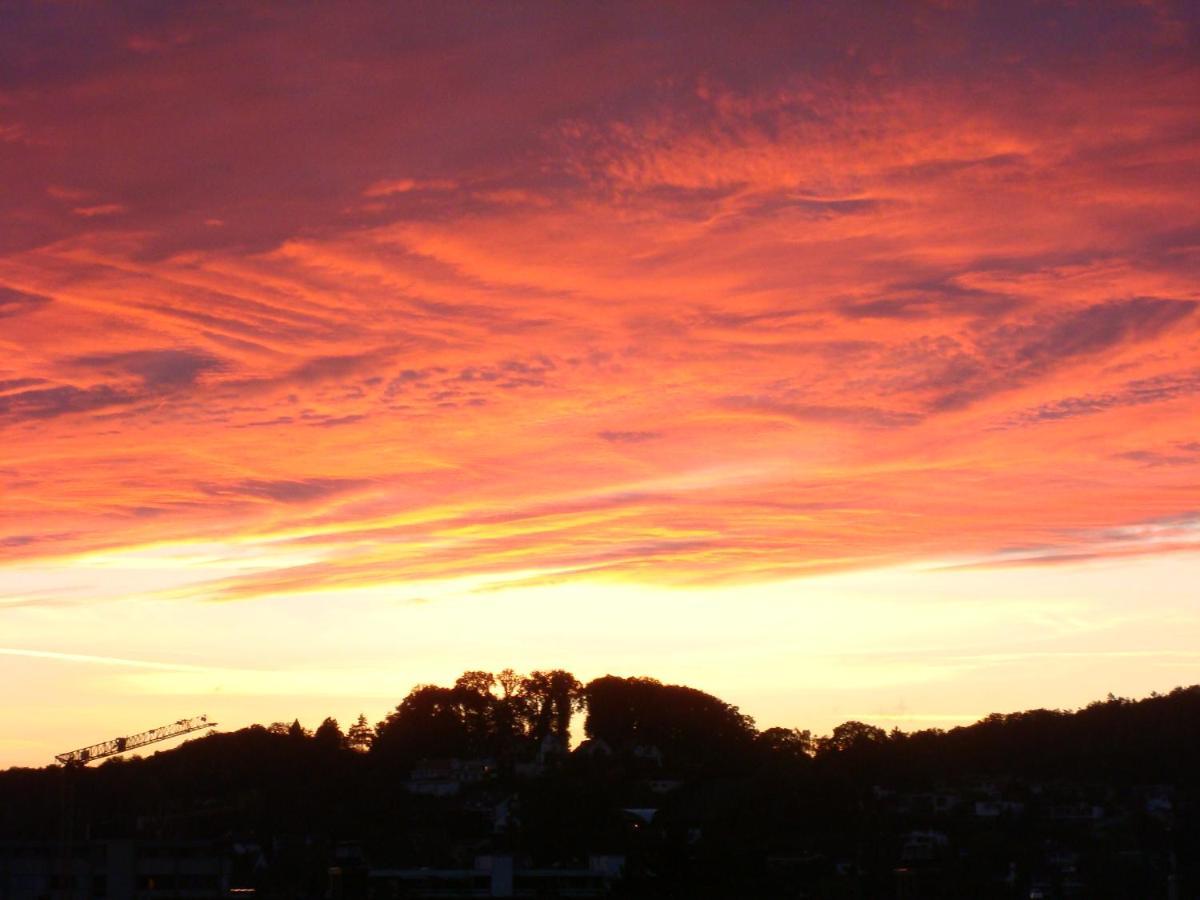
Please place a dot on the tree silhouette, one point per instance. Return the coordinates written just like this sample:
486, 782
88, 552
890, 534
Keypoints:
361, 735
852, 736
789, 742
689, 728
550, 700
329, 735
473, 693
511, 713
428, 722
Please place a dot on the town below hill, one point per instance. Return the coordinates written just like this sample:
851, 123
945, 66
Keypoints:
478, 790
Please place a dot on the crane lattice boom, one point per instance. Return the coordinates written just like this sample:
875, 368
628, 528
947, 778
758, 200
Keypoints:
85, 755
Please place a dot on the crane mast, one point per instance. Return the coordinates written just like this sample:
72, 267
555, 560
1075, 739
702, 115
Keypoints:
85, 755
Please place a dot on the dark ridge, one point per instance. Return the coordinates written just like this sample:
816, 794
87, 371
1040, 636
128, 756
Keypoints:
667, 792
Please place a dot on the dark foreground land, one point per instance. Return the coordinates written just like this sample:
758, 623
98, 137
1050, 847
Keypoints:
471, 791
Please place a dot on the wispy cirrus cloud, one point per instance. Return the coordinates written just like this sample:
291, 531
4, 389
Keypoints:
14, 302
450, 270
284, 491
1155, 389
51, 402
92, 659
628, 437
1181, 453
157, 369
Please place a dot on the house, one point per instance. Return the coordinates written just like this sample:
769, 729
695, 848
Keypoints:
922, 846
1156, 801
648, 752
553, 746
115, 869
1077, 812
594, 748
500, 876
446, 777
663, 785
992, 809
643, 814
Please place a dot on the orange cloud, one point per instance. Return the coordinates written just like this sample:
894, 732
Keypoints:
541, 298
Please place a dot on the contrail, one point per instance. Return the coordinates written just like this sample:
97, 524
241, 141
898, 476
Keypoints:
103, 660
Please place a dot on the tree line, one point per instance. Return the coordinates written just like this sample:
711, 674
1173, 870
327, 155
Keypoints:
509, 716
353, 780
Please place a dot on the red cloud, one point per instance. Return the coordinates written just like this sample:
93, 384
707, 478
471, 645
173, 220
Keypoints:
798, 302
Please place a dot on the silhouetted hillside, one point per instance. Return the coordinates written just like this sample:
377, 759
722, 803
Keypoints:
678, 785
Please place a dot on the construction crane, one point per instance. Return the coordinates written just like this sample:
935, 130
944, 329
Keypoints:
85, 755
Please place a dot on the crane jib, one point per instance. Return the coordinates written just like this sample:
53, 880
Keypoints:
84, 755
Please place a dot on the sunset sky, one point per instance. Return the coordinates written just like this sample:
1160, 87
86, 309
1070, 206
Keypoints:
843, 362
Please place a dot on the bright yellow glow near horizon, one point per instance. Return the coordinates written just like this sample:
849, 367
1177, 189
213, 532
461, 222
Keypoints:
909, 647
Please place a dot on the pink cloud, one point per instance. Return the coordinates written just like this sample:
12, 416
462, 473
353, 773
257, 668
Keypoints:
922, 294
